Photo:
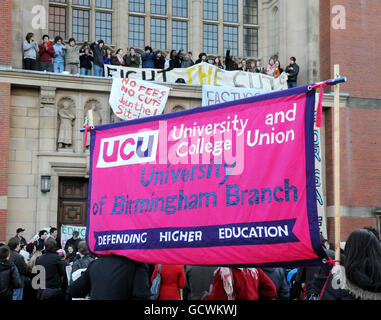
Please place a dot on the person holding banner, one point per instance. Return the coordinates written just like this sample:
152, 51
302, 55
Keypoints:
113, 277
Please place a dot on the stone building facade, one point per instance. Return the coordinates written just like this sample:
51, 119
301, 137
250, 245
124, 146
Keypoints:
30, 102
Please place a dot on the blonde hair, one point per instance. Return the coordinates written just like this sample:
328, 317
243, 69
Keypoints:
32, 261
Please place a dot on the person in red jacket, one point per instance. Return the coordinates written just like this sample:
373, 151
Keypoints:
241, 284
172, 281
46, 54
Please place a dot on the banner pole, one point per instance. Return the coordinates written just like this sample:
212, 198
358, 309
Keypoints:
337, 163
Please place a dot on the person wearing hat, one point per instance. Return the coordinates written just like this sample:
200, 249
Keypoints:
99, 52
20, 236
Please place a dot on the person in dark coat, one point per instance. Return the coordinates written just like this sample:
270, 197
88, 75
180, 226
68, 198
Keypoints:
158, 60
19, 261
230, 63
83, 260
292, 71
20, 236
147, 58
359, 278
113, 277
40, 242
54, 234
9, 275
98, 52
314, 277
56, 280
176, 57
198, 280
201, 58
73, 241
278, 276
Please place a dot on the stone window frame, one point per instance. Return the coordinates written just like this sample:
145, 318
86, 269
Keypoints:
168, 17
69, 6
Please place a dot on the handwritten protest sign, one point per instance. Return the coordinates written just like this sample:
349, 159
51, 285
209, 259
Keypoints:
215, 95
134, 99
201, 74
226, 184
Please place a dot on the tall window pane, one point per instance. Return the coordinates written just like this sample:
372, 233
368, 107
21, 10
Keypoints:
180, 35
250, 11
211, 38
180, 8
103, 26
231, 10
231, 38
57, 22
81, 25
158, 34
81, 2
136, 32
104, 4
250, 42
210, 9
137, 5
159, 7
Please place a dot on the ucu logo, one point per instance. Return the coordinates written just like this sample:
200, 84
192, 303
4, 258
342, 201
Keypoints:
128, 149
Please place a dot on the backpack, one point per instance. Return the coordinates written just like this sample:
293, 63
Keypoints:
155, 287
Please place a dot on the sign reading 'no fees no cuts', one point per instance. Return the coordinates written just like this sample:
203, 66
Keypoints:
227, 184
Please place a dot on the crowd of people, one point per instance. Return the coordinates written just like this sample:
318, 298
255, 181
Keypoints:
89, 59
112, 277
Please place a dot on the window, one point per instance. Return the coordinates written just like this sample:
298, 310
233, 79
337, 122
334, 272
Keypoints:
159, 7
57, 22
103, 26
81, 24
180, 35
136, 32
250, 42
137, 5
250, 11
231, 38
104, 4
158, 34
180, 8
81, 2
211, 10
211, 38
231, 10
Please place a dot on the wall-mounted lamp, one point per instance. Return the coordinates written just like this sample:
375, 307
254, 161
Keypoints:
45, 184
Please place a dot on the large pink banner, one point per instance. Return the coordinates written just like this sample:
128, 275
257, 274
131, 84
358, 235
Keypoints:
231, 184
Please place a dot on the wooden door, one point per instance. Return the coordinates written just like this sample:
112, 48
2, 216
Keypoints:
72, 202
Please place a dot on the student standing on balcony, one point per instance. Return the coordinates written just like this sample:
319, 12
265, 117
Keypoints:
99, 52
59, 54
72, 57
46, 54
30, 49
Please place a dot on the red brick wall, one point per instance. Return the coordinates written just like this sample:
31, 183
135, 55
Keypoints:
347, 225
5, 102
360, 157
357, 48
6, 32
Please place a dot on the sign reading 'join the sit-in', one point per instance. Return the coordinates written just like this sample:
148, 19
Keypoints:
226, 184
